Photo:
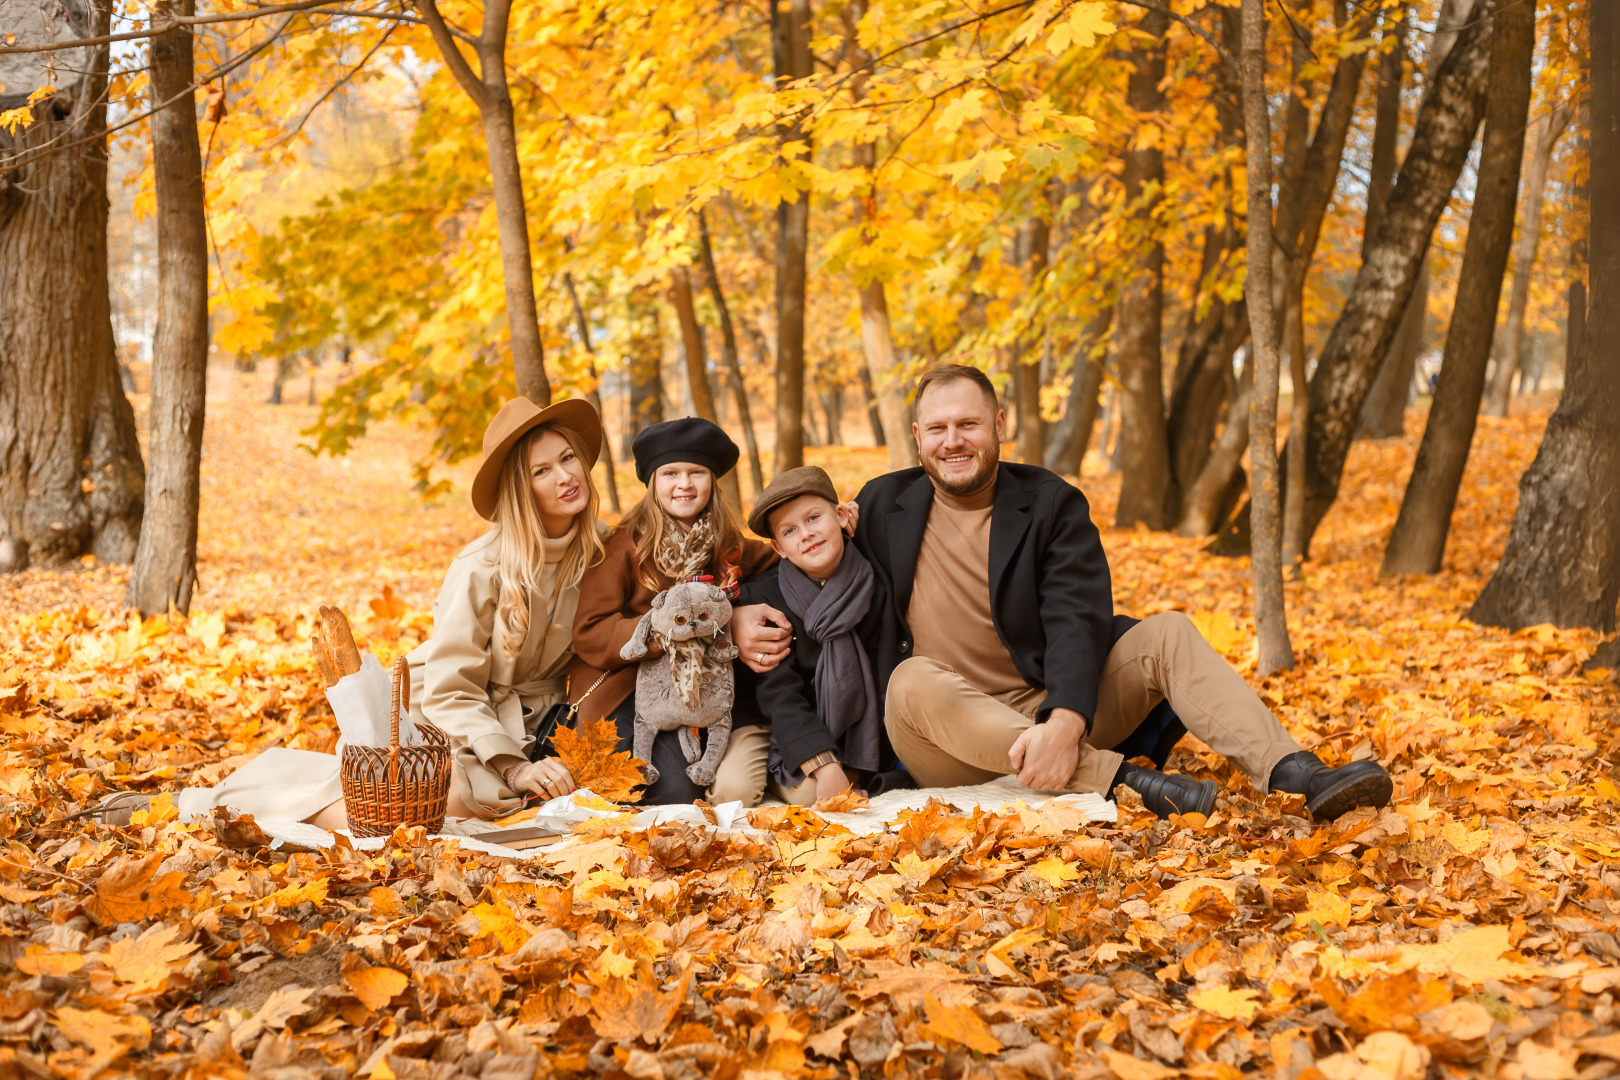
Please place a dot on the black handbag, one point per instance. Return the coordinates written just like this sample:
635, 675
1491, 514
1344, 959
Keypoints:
560, 715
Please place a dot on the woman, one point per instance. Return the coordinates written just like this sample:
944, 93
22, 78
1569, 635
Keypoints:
502, 643
682, 528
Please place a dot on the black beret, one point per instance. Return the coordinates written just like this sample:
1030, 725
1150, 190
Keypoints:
693, 439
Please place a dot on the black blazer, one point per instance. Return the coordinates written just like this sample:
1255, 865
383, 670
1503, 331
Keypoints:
1050, 591
786, 695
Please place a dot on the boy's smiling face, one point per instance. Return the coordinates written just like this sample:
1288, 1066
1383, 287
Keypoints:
808, 532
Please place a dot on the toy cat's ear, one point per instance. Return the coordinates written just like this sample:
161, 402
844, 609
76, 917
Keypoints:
716, 593
658, 601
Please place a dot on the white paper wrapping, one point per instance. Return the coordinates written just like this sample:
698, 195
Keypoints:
361, 704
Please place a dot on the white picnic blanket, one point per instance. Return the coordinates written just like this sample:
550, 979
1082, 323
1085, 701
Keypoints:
562, 813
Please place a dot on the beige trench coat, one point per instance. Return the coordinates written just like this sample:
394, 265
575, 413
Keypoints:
464, 679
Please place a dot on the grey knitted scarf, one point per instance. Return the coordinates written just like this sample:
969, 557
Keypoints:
846, 696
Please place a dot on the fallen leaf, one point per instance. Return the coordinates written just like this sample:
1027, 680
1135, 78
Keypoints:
376, 986
958, 1024
131, 891
592, 756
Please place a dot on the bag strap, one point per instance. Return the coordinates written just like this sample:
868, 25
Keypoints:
573, 708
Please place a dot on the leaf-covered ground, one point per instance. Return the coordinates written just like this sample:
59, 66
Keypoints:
1469, 929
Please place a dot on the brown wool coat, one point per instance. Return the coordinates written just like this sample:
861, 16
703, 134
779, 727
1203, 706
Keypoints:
612, 601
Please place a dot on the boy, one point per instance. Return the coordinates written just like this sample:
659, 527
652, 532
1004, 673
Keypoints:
824, 706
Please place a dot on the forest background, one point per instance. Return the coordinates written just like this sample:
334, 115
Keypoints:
779, 217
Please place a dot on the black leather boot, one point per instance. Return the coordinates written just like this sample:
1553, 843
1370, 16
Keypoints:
1170, 793
1330, 793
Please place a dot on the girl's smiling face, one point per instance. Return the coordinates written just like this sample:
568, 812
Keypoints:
683, 489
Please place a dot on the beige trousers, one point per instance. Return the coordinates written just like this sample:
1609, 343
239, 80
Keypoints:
742, 777
948, 734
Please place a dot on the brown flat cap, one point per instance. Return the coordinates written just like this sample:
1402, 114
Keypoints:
517, 418
805, 480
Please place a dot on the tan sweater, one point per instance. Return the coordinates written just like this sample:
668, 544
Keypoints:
950, 615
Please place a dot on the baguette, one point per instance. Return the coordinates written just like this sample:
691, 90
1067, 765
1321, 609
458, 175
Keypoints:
345, 654
323, 658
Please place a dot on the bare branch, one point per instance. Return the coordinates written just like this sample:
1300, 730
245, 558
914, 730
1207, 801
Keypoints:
159, 28
453, 59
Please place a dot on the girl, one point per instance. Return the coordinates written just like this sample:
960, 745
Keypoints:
502, 641
682, 528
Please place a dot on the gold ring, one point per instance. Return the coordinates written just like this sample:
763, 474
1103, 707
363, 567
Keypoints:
759, 658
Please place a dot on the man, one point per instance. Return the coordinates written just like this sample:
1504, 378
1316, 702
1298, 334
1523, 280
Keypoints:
1002, 653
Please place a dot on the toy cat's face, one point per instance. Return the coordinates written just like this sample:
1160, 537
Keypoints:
690, 610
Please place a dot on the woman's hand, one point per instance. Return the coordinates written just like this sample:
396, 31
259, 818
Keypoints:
830, 780
547, 777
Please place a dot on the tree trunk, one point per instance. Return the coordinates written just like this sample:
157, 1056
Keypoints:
1418, 543
1066, 449
490, 92
645, 367
873, 416
62, 403
697, 365
595, 394
1221, 479
1270, 615
1366, 325
166, 560
1033, 249
728, 354
1550, 128
1386, 123
1383, 414
1562, 563
877, 338
832, 403
1204, 387
1293, 533
790, 34
1147, 492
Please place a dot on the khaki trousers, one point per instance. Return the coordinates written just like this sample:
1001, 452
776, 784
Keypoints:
948, 734
741, 775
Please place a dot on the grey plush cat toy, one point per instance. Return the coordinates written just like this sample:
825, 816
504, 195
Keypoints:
690, 685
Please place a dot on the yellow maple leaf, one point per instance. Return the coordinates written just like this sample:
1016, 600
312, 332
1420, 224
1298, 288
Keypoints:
1466, 841
1085, 24
969, 106
131, 891
1054, 871
581, 858
143, 963
958, 1024
1219, 629
498, 921
107, 1036
36, 961
1473, 956
1226, 1003
289, 896
592, 756
376, 986
1327, 908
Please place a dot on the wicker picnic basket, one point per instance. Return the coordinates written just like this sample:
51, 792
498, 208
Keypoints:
385, 787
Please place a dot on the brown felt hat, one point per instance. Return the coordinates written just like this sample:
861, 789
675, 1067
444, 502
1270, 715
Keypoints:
805, 480
516, 419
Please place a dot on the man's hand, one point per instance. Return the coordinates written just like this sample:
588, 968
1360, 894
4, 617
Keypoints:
830, 780
849, 515
761, 645
1046, 754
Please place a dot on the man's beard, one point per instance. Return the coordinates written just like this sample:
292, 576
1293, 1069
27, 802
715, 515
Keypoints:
984, 468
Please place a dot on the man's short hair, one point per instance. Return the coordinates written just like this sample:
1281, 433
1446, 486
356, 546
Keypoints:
950, 373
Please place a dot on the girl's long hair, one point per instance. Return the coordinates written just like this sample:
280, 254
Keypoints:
648, 522
521, 535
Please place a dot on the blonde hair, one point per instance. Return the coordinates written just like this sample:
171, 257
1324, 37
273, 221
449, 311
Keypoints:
520, 535
648, 523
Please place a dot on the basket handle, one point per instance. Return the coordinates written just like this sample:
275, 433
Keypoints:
399, 699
